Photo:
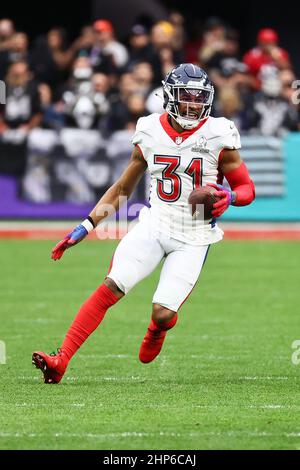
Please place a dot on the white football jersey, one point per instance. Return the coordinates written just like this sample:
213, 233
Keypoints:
179, 163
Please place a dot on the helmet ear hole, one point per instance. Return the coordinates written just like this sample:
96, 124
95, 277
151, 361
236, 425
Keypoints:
165, 101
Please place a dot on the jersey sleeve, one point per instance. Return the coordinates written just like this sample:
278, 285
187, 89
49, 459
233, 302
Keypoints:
138, 138
224, 135
232, 139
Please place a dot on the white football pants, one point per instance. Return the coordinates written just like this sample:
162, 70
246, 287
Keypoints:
140, 252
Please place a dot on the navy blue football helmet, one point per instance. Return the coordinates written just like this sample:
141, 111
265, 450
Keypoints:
189, 85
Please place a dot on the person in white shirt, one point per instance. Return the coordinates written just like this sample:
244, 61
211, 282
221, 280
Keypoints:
183, 149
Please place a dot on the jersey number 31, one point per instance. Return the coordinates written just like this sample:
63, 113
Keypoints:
194, 170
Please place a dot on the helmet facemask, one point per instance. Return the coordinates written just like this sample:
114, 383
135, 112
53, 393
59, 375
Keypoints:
188, 105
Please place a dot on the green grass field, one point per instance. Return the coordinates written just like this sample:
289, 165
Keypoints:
224, 379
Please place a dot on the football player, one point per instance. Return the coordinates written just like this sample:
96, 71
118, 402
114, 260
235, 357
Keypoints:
183, 149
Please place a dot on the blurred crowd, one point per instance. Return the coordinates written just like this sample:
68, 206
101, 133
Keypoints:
99, 82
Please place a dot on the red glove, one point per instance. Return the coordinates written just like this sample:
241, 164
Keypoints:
60, 248
78, 234
227, 198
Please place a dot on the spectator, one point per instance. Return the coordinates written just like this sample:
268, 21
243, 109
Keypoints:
139, 45
119, 111
21, 114
162, 36
88, 45
101, 89
52, 59
19, 48
290, 93
136, 108
57, 43
142, 75
85, 41
227, 71
271, 113
230, 105
23, 107
7, 30
266, 53
167, 59
287, 78
212, 41
177, 20
225, 62
127, 85
100, 83
17, 51
85, 100
194, 42
53, 117
106, 40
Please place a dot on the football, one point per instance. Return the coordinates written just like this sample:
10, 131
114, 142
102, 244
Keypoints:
202, 196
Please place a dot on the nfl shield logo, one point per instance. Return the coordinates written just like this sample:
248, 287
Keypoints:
178, 140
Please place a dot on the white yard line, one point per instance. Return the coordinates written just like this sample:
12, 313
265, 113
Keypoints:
130, 435
266, 377
228, 407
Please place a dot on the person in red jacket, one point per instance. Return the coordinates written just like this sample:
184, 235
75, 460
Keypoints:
266, 53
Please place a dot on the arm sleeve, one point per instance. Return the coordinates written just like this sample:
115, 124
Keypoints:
240, 182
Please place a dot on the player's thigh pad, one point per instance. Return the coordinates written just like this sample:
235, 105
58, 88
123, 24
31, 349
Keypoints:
179, 275
136, 256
